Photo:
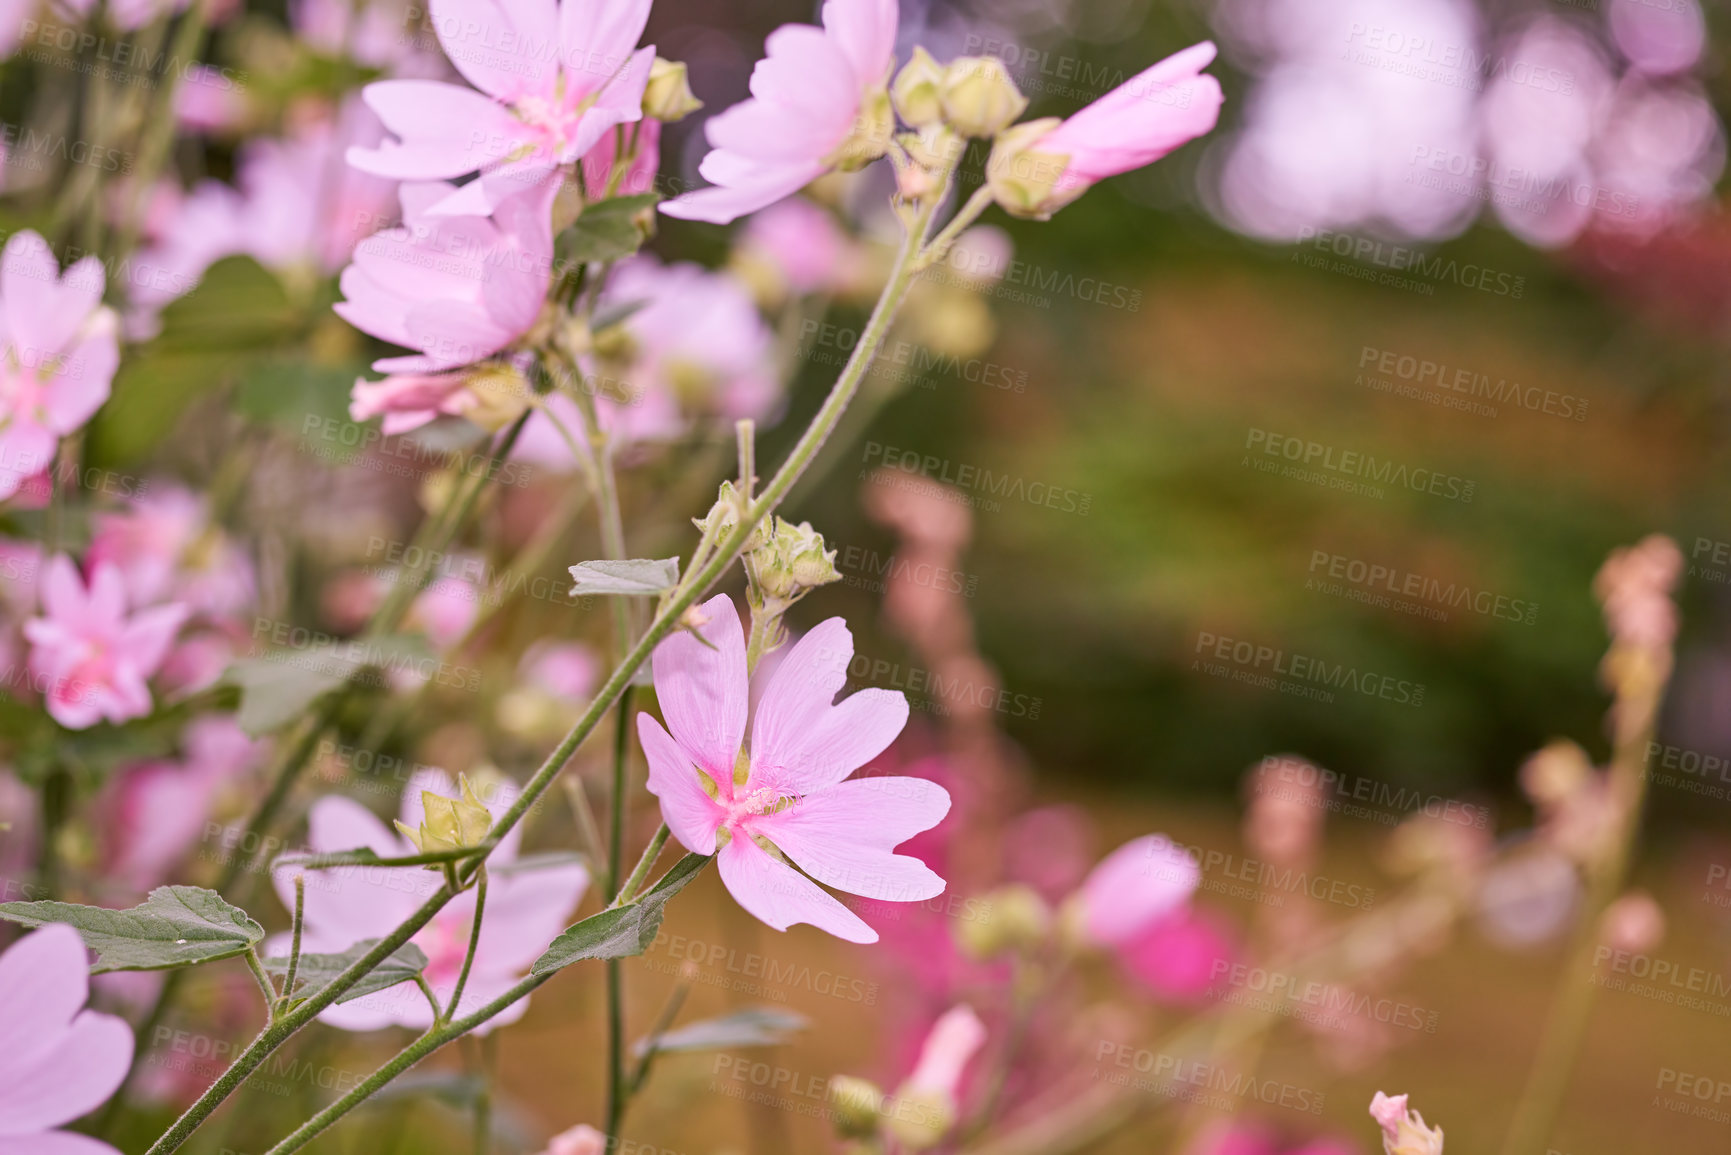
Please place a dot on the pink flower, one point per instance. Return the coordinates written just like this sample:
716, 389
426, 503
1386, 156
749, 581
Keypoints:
1179, 957
817, 98
525, 911
458, 289
408, 401
553, 80
165, 546
1135, 887
1404, 1132
58, 354
1134, 125
569, 671
92, 655
579, 1140
950, 1046
57, 1060
802, 244
788, 786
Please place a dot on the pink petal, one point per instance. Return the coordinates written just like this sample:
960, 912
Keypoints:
866, 31
446, 130
43, 309
780, 896
43, 984
620, 101
82, 1068
720, 206
596, 37
1135, 886
499, 47
527, 911
54, 1143
63, 595
82, 380
149, 634
844, 836
690, 813
801, 741
704, 691
1141, 120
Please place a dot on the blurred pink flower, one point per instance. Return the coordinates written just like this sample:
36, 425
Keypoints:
525, 910
949, 1047
1635, 586
166, 547
208, 100
446, 609
408, 401
1135, 887
802, 243
809, 95
156, 811
792, 792
58, 357
93, 656
1136, 123
457, 289
553, 80
579, 1140
57, 1060
566, 670
1179, 956
128, 15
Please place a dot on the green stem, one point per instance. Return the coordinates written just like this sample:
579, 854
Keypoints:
294, 964
474, 941
628, 892
969, 213
262, 978
615, 971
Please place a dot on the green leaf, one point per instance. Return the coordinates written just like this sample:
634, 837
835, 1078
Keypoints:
318, 971
609, 230
308, 400
639, 577
751, 1027
621, 932
278, 687
176, 926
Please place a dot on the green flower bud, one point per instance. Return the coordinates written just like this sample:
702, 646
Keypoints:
919, 1120
1024, 180
979, 98
1013, 917
792, 562
724, 515
917, 90
449, 823
501, 396
858, 1103
667, 97
870, 138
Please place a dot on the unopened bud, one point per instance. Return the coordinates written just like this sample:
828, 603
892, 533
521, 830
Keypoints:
858, 1104
667, 97
1012, 917
978, 96
1024, 180
919, 1120
870, 138
501, 394
918, 90
449, 823
792, 562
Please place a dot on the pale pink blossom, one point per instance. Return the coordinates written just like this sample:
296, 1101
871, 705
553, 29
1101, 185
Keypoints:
1135, 887
91, 655
165, 546
58, 355
802, 244
58, 1061
455, 288
525, 910
408, 401
790, 786
567, 670
812, 91
1179, 957
950, 1046
1404, 1131
1137, 123
579, 1140
553, 78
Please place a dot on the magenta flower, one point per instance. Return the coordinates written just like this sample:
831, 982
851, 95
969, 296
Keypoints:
57, 356
90, 657
783, 798
1178, 958
1134, 888
57, 1060
553, 78
457, 289
1040, 167
525, 910
818, 101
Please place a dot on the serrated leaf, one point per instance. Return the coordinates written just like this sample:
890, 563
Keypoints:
621, 932
176, 926
607, 230
318, 971
640, 577
751, 1027
279, 686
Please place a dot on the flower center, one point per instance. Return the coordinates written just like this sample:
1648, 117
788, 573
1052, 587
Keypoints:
552, 117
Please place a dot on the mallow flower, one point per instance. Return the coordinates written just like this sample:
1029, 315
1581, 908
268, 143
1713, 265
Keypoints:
1137, 886
58, 354
1040, 166
784, 800
525, 910
1404, 1131
457, 289
819, 101
58, 1061
92, 657
553, 79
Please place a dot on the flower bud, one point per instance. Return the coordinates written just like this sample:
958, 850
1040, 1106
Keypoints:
979, 98
792, 562
1023, 180
1403, 1131
724, 515
1011, 917
858, 1103
501, 394
667, 97
449, 823
919, 1120
870, 138
917, 90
